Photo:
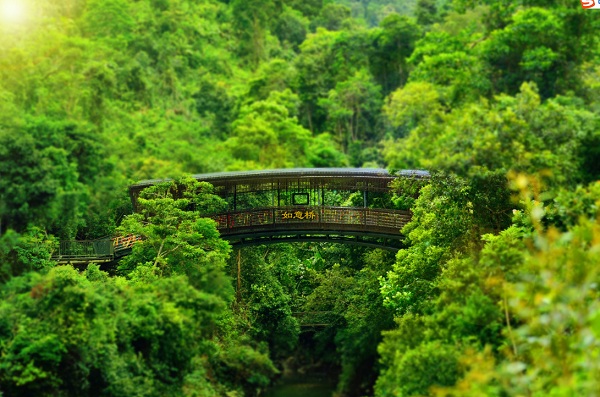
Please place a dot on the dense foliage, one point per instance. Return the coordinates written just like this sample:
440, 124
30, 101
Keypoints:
495, 293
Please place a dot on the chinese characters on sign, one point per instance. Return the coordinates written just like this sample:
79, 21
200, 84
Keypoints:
298, 215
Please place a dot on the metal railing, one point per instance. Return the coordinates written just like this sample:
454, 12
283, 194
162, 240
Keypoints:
319, 217
104, 249
84, 249
365, 220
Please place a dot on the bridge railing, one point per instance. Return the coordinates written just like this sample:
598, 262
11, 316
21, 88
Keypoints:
306, 218
84, 249
101, 249
319, 217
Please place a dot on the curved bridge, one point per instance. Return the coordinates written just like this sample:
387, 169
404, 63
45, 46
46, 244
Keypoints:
347, 205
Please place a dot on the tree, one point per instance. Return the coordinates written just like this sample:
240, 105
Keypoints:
447, 61
511, 133
393, 43
267, 285
71, 334
109, 19
414, 105
291, 28
45, 164
325, 59
275, 75
27, 252
251, 20
426, 12
331, 17
352, 109
267, 134
448, 218
542, 55
175, 238
462, 76
538, 56
324, 152
550, 309
345, 295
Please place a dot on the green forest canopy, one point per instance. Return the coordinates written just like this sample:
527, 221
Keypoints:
496, 292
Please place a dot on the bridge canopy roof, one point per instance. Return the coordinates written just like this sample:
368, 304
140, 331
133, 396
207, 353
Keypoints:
375, 179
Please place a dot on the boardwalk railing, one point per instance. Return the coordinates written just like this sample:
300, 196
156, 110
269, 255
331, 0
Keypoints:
84, 249
100, 250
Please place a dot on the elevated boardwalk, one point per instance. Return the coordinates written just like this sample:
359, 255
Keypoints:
94, 251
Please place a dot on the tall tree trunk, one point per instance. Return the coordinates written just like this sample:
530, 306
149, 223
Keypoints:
239, 277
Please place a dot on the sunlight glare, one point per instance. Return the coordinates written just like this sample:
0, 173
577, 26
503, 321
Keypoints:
12, 11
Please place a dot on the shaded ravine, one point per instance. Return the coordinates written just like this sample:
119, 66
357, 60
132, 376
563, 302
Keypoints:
298, 385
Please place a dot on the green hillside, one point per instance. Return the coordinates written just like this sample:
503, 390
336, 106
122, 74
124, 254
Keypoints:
495, 292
